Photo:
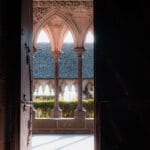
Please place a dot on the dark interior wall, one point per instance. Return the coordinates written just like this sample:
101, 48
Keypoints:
2, 88
122, 74
10, 28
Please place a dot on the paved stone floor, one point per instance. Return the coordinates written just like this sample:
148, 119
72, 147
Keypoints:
62, 142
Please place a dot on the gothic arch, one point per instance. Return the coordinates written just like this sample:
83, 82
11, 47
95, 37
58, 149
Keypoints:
67, 20
89, 28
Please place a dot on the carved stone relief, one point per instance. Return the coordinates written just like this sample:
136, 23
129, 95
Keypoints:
41, 8
76, 16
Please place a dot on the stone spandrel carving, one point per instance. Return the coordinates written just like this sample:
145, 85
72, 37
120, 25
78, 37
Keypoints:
62, 4
38, 13
41, 8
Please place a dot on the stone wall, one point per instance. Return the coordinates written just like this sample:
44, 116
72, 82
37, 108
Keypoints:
2, 105
63, 125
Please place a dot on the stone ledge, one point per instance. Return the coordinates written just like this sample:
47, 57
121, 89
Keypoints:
63, 125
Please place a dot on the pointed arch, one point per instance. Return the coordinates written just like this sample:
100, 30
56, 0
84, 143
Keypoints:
47, 90
66, 94
68, 38
40, 90
67, 20
43, 37
73, 93
49, 33
89, 38
89, 29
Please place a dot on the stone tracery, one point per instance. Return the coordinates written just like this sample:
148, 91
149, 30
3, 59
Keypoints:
77, 15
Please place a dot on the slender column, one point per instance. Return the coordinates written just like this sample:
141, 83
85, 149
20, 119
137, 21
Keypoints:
79, 112
56, 112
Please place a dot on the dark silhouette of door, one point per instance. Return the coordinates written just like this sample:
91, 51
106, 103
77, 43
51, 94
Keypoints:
26, 108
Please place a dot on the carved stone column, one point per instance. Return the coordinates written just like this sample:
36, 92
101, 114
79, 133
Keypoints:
56, 112
79, 112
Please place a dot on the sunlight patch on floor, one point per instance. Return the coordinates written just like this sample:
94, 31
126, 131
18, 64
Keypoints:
62, 142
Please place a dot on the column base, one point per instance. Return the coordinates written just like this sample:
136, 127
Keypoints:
56, 113
80, 113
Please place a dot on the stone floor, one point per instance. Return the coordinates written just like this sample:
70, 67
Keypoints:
62, 142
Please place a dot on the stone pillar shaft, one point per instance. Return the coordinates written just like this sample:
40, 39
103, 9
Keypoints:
56, 74
56, 111
80, 112
79, 81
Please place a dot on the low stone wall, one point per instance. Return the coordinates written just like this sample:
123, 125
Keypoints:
63, 125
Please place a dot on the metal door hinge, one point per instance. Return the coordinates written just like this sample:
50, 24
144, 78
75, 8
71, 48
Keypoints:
27, 53
26, 103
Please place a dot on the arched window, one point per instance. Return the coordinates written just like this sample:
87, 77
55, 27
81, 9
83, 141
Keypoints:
68, 38
46, 90
73, 94
35, 93
89, 38
40, 91
66, 93
88, 66
43, 60
42, 38
68, 58
52, 93
70, 93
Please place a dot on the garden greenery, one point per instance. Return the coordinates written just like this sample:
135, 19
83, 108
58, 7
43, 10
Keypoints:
43, 108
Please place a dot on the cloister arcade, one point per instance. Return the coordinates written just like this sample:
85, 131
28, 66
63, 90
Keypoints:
43, 87
56, 19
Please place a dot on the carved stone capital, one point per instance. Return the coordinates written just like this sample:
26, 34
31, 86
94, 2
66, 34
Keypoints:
79, 51
80, 113
56, 112
56, 54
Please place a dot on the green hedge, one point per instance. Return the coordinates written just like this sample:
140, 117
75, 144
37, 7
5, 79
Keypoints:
41, 97
43, 108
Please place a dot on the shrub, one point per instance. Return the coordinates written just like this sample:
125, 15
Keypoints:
41, 97
43, 108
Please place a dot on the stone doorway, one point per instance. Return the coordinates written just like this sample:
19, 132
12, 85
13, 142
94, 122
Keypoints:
75, 18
